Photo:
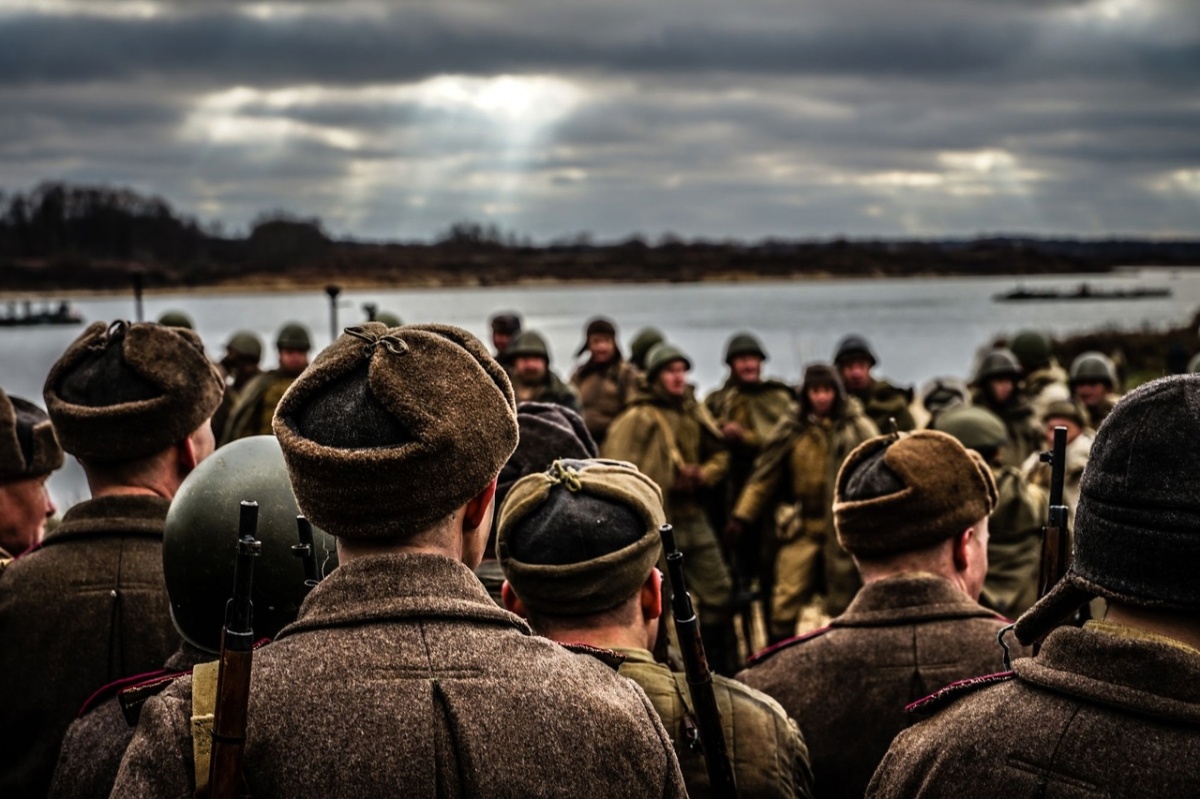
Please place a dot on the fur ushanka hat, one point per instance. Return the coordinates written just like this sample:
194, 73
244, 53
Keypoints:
28, 447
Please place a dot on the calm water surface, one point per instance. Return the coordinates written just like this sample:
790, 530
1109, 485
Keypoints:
920, 328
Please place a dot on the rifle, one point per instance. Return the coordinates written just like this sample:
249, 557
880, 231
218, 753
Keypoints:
699, 678
1056, 554
306, 551
233, 677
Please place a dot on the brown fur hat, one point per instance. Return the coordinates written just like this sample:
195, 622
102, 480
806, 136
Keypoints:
905, 492
391, 430
580, 538
125, 391
28, 447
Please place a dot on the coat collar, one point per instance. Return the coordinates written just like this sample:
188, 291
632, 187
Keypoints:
1138, 675
396, 587
906, 598
122, 514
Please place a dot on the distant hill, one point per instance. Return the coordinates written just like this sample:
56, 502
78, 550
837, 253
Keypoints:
58, 237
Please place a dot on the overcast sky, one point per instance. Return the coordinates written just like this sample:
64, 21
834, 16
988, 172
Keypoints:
744, 118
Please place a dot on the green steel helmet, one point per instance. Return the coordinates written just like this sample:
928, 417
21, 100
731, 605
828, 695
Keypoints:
246, 344
662, 354
176, 319
293, 336
199, 545
388, 318
527, 343
744, 344
1194, 364
643, 340
998, 363
975, 427
854, 346
1032, 350
1093, 367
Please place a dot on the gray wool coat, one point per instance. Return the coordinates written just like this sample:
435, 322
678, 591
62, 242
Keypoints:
88, 607
1094, 714
847, 685
402, 677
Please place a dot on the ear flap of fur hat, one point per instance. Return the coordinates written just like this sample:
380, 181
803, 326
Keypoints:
390, 431
28, 447
127, 391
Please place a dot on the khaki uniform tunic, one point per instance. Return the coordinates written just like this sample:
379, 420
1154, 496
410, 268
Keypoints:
765, 747
847, 685
1106, 711
657, 433
883, 401
604, 392
256, 407
401, 677
87, 607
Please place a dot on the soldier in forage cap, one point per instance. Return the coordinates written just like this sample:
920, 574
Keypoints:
29, 452
399, 669
132, 403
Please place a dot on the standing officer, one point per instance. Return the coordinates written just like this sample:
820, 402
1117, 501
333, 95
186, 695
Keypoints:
533, 379
400, 673
675, 442
1093, 385
1110, 709
579, 544
881, 400
606, 382
256, 406
132, 403
29, 452
913, 511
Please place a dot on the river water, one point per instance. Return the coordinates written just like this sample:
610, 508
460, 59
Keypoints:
920, 328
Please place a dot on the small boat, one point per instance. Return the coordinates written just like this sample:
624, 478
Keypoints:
1083, 292
62, 315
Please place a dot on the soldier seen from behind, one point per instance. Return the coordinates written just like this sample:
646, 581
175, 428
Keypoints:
532, 378
1112, 708
674, 441
997, 387
798, 467
1094, 386
132, 403
881, 401
606, 381
400, 670
1015, 526
198, 562
252, 414
579, 544
913, 510
29, 453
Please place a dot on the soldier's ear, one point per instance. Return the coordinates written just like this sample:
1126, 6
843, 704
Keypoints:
652, 596
962, 549
512, 602
477, 508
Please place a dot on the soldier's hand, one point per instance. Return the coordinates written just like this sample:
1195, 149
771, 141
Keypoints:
688, 478
734, 433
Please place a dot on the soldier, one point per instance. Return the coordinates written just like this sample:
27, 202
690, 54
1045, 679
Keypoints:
532, 378
881, 400
1093, 385
504, 327
547, 433
913, 510
400, 670
674, 440
1015, 526
578, 544
643, 341
1109, 709
941, 394
176, 319
198, 563
243, 352
1063, 413
997, 387
132, 404
256, 406
1043, 380
802, 457
29, 452
606, 382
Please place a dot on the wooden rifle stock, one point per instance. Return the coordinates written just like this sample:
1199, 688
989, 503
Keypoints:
699, 678
237, 655
1056, 554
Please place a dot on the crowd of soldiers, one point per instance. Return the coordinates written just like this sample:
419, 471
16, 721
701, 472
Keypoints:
482, 611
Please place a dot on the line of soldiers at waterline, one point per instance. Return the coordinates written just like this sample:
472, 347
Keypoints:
913, 510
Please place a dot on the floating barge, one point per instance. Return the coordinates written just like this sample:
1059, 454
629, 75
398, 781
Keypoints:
62, 315
1083, 292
